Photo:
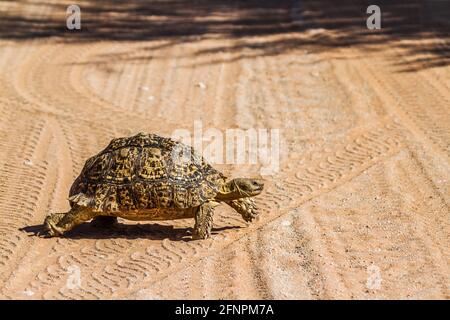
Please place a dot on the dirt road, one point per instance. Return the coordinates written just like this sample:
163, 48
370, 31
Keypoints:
358, 209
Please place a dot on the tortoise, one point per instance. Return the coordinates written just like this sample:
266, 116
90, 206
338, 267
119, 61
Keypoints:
149, 177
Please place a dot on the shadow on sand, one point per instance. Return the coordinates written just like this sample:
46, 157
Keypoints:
124, 231
315, 25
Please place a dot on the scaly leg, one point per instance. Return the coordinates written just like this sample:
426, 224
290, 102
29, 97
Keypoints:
56, 217
57, 224
51, 219
204, 221
246, 207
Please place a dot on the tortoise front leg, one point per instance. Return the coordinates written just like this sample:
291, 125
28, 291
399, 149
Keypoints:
204, 220
57, 224
246, 207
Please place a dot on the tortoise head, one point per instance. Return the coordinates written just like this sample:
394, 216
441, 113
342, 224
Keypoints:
240, 188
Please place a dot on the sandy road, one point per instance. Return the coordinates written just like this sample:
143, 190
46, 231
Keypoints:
359, 208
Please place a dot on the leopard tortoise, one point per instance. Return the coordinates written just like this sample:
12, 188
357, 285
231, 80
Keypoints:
149, 177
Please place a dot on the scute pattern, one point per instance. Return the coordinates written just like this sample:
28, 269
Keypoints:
144, 195
145, 171
122, 165
152, 164
125, 198
98, 166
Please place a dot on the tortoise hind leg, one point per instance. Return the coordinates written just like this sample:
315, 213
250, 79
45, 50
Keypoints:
104, 221
55, 217
51, 219
204, 221
57, 224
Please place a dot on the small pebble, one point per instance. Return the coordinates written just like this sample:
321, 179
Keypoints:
285, 223
201, 85
28, 292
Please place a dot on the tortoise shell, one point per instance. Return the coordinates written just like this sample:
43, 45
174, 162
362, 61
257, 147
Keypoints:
145, 171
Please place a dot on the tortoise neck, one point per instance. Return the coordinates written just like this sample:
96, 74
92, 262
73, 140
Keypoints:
228, 191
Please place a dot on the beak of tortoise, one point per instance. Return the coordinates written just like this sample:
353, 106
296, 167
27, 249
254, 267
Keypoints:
260, 184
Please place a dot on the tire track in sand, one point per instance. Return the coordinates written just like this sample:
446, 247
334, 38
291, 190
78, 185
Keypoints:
342, 161
146, 262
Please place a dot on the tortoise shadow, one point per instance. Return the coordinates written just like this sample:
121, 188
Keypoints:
125, 231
